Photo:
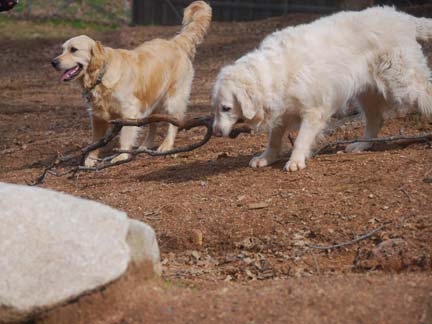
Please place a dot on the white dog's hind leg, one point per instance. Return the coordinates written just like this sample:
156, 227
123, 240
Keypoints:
404, 76
373, 105
312, 124
271, 154
128, 136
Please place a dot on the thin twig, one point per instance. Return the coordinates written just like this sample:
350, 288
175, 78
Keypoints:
360, 238
421, 137
406, 194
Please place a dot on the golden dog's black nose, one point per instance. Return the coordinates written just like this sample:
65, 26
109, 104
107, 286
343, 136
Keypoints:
55, 63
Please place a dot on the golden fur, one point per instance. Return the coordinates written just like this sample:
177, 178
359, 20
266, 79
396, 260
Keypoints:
155, 76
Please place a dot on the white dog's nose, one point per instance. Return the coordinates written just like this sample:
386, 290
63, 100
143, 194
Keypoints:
217, 132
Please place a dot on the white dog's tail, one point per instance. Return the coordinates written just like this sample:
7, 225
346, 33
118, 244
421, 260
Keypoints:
424, 28
196, 22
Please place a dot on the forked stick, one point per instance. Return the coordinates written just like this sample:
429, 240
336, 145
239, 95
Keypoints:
77, 159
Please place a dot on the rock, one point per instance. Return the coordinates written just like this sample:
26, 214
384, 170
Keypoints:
143, 245
389, 255
55, 248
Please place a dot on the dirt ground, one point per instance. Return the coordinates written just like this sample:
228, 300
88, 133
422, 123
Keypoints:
253, 265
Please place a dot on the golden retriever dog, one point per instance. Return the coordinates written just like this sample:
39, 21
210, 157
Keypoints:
129, 84
300, 76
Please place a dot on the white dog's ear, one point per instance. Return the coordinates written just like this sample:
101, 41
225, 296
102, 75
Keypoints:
247, 106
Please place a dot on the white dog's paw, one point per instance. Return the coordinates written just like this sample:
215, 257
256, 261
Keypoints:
262, 161
90, 162
294, 165
358, 147
121, 157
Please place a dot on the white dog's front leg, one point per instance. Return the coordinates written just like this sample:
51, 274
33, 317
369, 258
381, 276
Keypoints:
271, 154
128, 137
310, 127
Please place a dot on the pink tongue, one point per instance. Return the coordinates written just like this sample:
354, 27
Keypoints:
68, 73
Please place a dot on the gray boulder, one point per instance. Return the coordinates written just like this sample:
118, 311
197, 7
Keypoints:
55, 248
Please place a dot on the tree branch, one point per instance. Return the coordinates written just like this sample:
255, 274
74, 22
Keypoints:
421, 137
77, 159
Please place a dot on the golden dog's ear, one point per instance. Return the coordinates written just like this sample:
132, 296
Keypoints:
97, 49
248, 108
97, 57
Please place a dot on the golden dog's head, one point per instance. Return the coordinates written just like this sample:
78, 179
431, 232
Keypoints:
78, 54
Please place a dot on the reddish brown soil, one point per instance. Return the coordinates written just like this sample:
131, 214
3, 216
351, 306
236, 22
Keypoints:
252, 265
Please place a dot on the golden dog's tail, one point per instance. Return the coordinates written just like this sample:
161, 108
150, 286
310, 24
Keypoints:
423, 28
196, 22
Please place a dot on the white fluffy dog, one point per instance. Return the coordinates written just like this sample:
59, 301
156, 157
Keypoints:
302, 75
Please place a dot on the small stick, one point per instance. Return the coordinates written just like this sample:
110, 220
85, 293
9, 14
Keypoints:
406, 194
332, 247
421, 137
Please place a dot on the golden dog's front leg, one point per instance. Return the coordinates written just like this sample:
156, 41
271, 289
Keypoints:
168, 143
128, 138
99, 127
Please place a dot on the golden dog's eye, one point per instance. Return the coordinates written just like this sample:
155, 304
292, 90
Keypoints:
226, 108
73, 49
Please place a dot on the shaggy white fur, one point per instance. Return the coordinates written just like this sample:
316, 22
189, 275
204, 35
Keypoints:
302, 75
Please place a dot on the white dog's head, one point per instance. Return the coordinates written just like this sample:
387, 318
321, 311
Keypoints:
232, 102
75, 59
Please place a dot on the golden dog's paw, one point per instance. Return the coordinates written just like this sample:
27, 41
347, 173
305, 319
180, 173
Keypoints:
121, 157
165, 147
358, 147
294, 165
262, 161
90, 162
